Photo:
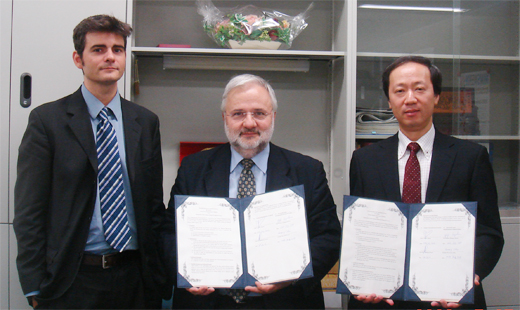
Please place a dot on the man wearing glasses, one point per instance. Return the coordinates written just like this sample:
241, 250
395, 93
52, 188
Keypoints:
249, 109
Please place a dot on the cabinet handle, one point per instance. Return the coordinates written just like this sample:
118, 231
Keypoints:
25, 90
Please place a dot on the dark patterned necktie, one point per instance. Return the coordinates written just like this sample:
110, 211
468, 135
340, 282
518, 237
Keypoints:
246, 183
412, 176
246, 188
111, 191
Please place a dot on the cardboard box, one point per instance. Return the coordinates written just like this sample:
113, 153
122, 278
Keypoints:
330, 281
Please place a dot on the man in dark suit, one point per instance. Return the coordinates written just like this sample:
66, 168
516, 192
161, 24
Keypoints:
66, 259
248, 109
451, 170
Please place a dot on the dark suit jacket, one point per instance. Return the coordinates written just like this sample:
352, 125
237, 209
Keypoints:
207, 174
56, 190
460, 171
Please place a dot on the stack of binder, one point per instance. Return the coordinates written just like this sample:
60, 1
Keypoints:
376, 122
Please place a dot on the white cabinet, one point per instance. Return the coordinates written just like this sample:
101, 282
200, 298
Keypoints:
5, 57
40, 44
4, 266
5, 60
502, 284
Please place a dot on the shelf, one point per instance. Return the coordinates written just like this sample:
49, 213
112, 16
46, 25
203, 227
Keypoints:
312, 55
475, 138
473, 58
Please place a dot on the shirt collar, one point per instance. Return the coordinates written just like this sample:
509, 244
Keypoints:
260, 159
95, 106
426, 143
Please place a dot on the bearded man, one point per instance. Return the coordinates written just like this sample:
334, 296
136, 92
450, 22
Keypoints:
249, 110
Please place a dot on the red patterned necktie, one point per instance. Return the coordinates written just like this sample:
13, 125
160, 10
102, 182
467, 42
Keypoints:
412, 176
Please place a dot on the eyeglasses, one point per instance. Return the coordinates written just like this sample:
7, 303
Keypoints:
240, 115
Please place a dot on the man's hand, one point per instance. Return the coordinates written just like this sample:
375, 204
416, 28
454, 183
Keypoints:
373, 299
267, 288
452, 305
444, 304
34, 303
201, 291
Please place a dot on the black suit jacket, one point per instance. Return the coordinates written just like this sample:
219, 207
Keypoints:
207, 174
460, 171
56, 188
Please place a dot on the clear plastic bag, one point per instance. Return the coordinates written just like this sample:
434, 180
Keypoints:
251, 27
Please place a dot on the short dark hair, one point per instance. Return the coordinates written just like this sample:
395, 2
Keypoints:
435, 73
98, 23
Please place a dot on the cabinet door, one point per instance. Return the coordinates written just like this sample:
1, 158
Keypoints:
42, 46
4, 264
5, 48
5, 54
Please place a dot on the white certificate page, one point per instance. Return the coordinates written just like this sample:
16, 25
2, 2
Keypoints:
442, 252
373, 248
208, 242
276, 236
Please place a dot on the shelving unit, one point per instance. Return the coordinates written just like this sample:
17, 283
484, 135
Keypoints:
348, 48
463, 45
310, 98
482, 41
161, 51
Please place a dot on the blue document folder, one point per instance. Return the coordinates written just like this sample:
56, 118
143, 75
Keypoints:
246, 274
433, 231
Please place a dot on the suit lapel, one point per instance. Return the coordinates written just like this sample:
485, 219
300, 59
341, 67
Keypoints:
277, 170
81, 126
216, 179
132, 131
443, 158
389, 172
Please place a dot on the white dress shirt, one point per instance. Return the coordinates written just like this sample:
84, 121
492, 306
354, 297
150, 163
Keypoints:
424, 156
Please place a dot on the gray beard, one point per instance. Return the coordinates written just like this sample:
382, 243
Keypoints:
248, 150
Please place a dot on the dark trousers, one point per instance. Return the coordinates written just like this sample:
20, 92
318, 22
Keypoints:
185, 300
118, 287
226, 302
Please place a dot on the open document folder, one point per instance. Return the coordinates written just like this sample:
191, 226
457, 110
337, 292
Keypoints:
416, 252
231, 243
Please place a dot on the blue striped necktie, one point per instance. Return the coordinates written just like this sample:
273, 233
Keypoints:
111, 191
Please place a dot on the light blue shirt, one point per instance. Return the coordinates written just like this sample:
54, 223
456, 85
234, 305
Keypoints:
259, 171
96, 243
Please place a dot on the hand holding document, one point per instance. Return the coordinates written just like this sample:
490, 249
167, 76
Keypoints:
232, 243
419, 252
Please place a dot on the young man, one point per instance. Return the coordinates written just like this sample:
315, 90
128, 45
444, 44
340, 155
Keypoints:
88, 197
451, 170
249, 110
